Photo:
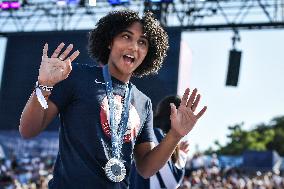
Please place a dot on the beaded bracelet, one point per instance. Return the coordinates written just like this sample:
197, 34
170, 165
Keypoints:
43, 87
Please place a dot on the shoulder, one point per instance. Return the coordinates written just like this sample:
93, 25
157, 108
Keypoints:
78, 68
140, 96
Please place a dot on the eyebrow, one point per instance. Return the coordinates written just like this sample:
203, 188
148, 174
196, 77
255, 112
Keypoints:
128, 31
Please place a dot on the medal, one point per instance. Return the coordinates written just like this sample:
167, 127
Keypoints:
115, 170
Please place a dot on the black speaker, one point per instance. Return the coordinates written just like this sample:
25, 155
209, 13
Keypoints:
234, 68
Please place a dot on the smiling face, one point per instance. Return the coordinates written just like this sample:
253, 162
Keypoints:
127, 51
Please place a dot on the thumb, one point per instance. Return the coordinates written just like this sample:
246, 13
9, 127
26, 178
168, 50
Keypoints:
173, 110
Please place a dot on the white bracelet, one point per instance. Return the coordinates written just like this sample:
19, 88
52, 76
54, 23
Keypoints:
40, 96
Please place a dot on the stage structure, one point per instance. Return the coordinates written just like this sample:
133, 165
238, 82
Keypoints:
189, 15
30, 23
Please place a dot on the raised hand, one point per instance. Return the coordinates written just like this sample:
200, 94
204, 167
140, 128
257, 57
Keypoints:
58, 66
184, 146
184, 119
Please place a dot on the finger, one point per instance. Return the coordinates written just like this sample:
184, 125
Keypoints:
183, 146
186, 150
186, 146
66, 52
201, 112
191, 98
74, 55
57, 50
184, 97
173, 110
68, 68
195, 103
44, 51
185, 143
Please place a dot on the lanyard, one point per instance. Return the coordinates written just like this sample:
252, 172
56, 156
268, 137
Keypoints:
117, 129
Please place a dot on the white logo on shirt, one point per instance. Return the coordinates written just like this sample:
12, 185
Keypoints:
98, 82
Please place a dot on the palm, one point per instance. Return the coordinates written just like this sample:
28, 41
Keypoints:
183, 119
55, 69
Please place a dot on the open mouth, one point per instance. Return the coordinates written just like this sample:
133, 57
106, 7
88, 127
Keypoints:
129, 58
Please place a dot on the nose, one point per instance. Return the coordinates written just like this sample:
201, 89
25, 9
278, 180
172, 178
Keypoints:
134, 46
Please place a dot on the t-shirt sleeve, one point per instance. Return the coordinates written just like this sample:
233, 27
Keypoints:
147, 132
63, 91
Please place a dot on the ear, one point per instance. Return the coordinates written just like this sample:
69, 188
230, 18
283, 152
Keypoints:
109, 46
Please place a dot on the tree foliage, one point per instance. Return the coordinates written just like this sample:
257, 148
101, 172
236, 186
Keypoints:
262, 137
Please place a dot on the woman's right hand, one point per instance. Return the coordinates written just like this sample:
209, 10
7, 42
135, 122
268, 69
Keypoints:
57, 67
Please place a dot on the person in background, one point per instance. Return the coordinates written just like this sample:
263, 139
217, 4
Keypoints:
171, 175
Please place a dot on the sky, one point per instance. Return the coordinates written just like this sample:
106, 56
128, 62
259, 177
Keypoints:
259, 95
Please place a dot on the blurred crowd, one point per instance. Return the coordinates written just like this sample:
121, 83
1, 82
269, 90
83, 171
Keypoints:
35, 172
26, 173
203, 175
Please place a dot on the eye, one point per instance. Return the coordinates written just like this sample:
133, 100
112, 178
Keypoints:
125, 36
142, 42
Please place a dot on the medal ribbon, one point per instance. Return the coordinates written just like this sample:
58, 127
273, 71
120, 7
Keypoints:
117, 130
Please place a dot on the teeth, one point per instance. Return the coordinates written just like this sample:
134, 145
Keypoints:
130, 56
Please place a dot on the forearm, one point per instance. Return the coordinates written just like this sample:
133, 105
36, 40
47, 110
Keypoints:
52, 70
156, 158
31, 122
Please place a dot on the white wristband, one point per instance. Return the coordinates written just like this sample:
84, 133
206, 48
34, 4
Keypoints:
41, 98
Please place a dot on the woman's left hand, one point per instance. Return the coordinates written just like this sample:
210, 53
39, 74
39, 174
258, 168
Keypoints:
184, 118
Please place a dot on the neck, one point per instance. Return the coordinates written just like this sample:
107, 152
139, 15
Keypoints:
114, 72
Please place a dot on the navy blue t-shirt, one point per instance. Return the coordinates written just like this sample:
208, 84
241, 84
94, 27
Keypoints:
84, 134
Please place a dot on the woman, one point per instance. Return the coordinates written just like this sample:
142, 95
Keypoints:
105, 120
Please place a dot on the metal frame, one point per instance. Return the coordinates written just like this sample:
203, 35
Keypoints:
190, 15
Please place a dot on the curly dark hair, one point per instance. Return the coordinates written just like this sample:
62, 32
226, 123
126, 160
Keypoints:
162, 118
163, 112
114, 23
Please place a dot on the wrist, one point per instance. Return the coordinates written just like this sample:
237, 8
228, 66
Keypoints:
46, 94
42, 93
175, 135
44, 88
44, 83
